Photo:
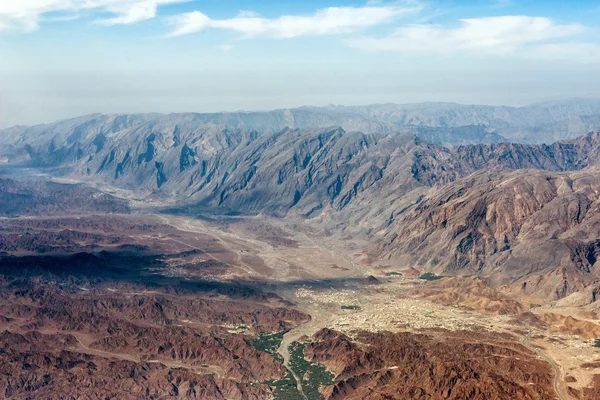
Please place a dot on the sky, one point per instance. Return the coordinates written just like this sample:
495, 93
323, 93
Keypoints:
64, 58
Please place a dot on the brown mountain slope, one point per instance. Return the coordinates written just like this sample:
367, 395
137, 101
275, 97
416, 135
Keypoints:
533, 229
283, 171
472, 293
436, 365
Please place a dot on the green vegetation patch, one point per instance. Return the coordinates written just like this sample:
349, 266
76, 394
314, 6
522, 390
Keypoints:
351, 307
269, 343
428, 276
393, 274
597, 342
286, 388
313, 375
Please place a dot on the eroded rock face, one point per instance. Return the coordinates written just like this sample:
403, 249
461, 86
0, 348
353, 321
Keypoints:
439, 365
494, 223
452, 211
308, 171
560, 156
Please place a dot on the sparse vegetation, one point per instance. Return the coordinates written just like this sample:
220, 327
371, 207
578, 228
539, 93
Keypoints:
351, 307
428, 276
393, 274
240, 328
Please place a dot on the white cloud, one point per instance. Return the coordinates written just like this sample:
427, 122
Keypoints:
490, 35
225, 48
328, 21
25, 15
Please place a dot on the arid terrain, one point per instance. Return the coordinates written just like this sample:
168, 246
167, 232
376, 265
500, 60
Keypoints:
154, 305
211, 262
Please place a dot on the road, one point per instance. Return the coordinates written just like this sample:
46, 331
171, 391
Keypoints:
555, 366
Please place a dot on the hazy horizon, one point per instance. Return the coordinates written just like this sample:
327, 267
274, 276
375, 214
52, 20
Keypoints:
266, 110
68, 58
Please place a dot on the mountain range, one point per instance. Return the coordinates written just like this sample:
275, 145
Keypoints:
440, 123
479, 205
422, 251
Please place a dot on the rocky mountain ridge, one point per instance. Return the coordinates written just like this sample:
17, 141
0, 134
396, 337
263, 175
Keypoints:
307, 171
457, 210
533, 229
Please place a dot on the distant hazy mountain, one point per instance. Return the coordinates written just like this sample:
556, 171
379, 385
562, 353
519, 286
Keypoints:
538, 123
440, 123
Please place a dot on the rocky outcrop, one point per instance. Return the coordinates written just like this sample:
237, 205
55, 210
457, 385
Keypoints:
560, 156
439, 365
